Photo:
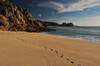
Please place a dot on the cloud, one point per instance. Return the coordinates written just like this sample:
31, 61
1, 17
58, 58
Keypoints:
66, 19
86, 21
70, 7
89, 21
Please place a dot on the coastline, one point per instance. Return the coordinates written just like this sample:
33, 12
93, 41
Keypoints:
72, 38
39, 49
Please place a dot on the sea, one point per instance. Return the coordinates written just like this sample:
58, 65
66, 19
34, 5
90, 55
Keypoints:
86, 33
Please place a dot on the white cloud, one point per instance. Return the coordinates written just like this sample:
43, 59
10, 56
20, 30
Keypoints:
86, 21
66, 7
61, 19
89, 21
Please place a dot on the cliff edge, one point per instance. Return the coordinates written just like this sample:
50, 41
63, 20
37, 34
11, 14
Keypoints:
16, 18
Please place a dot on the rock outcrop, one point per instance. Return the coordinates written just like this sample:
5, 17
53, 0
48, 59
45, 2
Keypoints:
67, 24
16, 18
46, 24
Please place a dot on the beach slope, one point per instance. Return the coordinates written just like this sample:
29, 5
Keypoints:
38, 49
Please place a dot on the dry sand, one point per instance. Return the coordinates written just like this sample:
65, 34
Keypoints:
38, 49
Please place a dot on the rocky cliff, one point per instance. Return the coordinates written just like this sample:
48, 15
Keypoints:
16, 18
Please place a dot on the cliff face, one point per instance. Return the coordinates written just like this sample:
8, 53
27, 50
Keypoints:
16, 18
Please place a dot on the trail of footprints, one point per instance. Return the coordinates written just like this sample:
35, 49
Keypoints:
61, 55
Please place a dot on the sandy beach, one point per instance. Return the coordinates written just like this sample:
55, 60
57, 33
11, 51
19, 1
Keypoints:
38, 49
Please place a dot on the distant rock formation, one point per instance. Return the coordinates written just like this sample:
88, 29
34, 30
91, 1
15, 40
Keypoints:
67, 24
16, 18
45, 23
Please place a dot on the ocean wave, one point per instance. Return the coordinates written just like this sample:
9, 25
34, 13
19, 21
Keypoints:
80, 33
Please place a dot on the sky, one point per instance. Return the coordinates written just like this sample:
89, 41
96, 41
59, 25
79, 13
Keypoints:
79, 12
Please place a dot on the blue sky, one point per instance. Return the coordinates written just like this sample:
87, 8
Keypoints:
80, 12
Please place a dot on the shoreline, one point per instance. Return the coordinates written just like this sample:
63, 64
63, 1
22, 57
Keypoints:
39, 49
72, 38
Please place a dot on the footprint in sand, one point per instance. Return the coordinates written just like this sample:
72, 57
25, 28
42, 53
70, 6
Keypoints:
72, 62
67, 59
79, 65
51, 49
56, 51
45, 47
62, 56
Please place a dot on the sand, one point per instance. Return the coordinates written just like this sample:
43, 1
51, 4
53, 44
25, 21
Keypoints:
38, 49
